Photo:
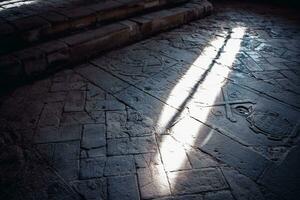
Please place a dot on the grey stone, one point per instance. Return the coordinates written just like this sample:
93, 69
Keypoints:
233, 153
282, 179
104, 105
95, 93
54, 134
134, 145
195, 181
93, 136
75, 101
119, 165
92, 167
101, 78
153, 182
95, 152
173, 154
183, 197
66, 163
219, 195
242, 187
120, 124
147, 160
51, 115
95, 189
123, 187
75, 118
199, 159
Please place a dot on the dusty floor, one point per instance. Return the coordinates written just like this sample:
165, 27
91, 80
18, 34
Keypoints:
207, 111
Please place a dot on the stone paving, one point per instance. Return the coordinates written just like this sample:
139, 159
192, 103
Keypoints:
207, 111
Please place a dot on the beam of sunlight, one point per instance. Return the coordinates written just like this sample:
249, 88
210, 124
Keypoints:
16, 3
202, 81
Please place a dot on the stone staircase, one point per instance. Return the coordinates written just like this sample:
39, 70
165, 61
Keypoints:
59, 36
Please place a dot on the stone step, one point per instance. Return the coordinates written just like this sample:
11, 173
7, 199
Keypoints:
17, 32
49, 56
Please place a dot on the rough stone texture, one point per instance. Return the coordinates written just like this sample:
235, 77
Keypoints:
93, 136
119, 165
53, 134
192, 181
206, 111
76, 47
242, 187
247, 161
75, 101
286, 172
95, 189
153, 182
123, 187
134, 145
128, 124
92, 167
66, 164
36, 20
218, 195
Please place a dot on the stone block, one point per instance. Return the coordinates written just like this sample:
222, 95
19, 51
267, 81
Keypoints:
99, 43
123, 187
66, 163
79, 17
219, 195
73, 118
101, 78
119, 165
95, 93
147, 160
51, 115
133, 145
195, 181
161, 20
92, 167
59, 23
31, 27
34, 61
173, 154
75, 101
107, 105
242, 187
95, 189
55, 134
119, 125
57, 53
93, 136
153, 182
233, 153
199, 159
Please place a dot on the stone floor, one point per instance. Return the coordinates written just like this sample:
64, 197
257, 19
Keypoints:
207, 111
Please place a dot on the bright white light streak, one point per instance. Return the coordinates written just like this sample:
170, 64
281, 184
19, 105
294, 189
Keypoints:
187, 131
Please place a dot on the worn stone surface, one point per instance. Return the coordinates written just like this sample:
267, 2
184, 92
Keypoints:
242, 187
207, 111
53, 134
92, 189
92, 167
119, 165
67, 164
123, 187
153, 182
192, 181
134, 145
